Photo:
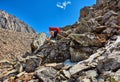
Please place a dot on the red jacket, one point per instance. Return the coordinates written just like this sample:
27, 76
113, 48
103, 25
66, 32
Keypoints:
54, 29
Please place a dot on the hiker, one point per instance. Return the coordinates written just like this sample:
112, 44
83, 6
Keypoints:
53, 31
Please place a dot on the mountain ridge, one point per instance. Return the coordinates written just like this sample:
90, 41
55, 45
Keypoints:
11, 22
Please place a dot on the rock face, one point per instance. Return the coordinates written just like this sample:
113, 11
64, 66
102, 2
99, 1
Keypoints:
87, 51
12, 23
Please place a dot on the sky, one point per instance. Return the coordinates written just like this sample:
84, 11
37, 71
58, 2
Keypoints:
41, 14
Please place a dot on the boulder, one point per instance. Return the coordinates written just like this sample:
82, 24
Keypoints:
32, 64
38, 41
78, 55
57, 52
88, 39
46, 74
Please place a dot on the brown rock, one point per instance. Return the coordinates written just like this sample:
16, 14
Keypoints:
88, 39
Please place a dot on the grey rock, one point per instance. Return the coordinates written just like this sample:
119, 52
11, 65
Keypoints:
32, 64
91, 74
83, 79
66, 73
99, 2
78, 68
7, 80
78, 55
38, 41
86, 39
108, 15
116, 76
10, 22
58, 52
46, 74
56, 66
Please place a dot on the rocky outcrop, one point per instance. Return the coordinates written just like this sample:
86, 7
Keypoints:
10, 22
87, 51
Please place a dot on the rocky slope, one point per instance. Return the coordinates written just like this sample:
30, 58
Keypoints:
10, 22
87, 51
14, 43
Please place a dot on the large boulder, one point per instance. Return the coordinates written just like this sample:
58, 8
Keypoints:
38, 41
55, 52
88, 39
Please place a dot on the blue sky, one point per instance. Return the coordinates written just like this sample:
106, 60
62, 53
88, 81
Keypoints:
40, 14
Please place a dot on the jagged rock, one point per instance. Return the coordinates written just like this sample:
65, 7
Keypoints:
38, 41
88, 39
111, 62
95, 26
87, 51
108, 15
66, 74
82, 27
10, 22
55, 52
108, 30
32, 64
78, 55
46, 74
78, 68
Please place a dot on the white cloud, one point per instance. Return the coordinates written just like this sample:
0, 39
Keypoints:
63, 5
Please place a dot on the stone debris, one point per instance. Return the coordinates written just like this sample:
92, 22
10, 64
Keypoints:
87, 51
